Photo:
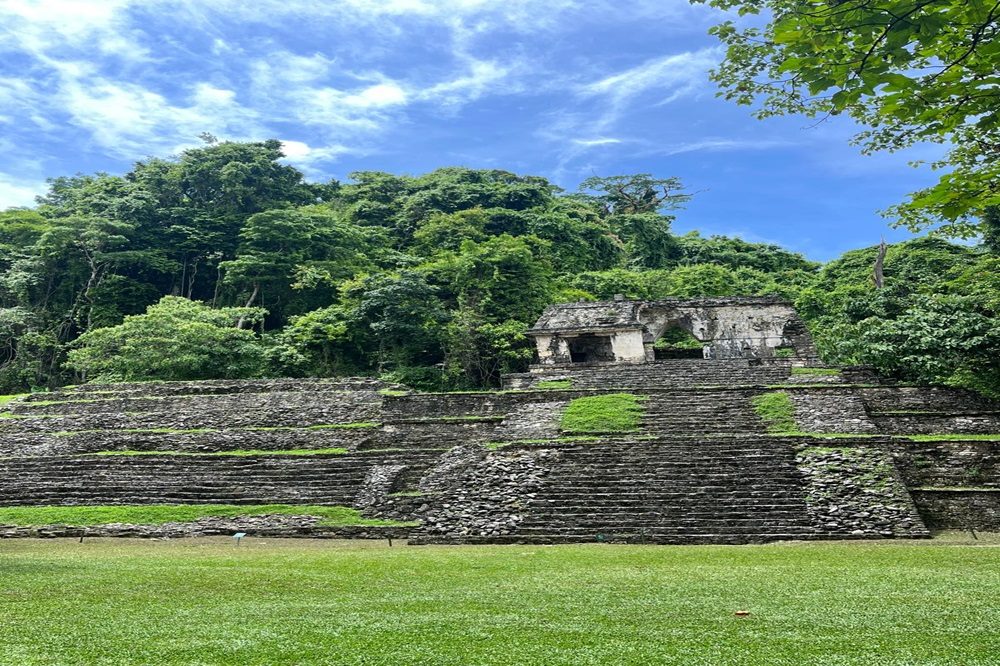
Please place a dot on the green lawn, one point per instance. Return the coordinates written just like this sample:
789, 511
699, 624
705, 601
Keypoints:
289, 602
157, 514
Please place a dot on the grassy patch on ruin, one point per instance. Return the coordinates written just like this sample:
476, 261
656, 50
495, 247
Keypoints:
950, 438
615, 412
776, 410
4, 399
239, 453
157, 514
305, 602
816, 372
553, 384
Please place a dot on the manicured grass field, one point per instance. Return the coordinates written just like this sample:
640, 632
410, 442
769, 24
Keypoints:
320, 602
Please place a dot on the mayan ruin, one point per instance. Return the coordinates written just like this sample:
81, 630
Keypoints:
745, 444
477, 333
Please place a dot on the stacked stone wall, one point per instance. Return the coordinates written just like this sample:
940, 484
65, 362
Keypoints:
948, 463
710, 490
173, 479
46, 444
700, 469
959, 509
307, 413
833, 409
853, 489
222, 386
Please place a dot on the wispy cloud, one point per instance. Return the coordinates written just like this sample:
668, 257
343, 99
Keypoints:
480, 78
599, 141
129, 78
715, 144
606, 99
664, 79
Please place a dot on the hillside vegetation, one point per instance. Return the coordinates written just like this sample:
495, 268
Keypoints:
225, 263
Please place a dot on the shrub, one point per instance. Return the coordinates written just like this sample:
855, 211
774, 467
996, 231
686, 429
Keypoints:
177, 339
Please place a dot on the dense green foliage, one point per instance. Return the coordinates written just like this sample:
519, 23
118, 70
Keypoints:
282, 602
176, 339
937, 319
909, 70
615, 412
224, 262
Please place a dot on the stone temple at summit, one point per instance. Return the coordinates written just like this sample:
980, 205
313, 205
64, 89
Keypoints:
672, 421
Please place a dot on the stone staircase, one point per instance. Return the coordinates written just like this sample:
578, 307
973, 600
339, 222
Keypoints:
930, 410
314, 479
665, 491
658, 374
696, 412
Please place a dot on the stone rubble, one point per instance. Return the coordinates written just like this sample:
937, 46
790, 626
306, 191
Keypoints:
853, 490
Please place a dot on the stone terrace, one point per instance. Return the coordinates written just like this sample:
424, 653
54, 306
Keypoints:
500, 467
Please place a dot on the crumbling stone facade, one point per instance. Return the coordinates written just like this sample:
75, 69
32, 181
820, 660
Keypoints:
702, 465
625, 331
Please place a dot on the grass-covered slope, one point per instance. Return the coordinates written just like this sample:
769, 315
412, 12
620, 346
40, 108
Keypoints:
279, 603
616, 412
776, 410
157, 514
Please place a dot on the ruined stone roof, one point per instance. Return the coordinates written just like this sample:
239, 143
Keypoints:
612, 315
623, 314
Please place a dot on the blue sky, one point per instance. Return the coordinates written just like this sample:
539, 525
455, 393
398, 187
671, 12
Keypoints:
560, 88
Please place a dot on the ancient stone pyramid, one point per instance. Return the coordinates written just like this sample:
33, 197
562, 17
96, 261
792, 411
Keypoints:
708, 458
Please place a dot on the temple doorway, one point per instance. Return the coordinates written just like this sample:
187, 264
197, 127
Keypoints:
678, 342
590, 349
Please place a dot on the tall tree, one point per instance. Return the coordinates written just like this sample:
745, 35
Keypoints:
638, 193
909, 70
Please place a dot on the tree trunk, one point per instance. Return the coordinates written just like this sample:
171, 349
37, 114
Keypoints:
253, 296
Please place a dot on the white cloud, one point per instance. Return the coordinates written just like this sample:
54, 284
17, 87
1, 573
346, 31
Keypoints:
669, 78
482, 77
383, 94
599, 141
42, 27
209, 95
93, 65
16, 191
130, 121
610, 97
715, 144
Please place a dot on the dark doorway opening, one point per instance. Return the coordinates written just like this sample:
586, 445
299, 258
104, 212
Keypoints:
677, 342
590, 349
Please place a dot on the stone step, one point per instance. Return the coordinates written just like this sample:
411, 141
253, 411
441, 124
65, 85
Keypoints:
542, 539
